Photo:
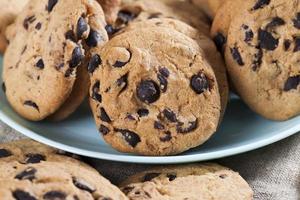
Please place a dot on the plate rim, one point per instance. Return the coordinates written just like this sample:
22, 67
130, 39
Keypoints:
150, 159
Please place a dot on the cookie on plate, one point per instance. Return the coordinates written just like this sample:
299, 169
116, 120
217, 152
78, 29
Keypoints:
262, 57
42, 62
9, 9
196, 181
161, 97
210, 7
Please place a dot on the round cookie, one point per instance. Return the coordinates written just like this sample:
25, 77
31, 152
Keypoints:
40, 65
210, 7
212, 55
9, 9
161, 97
205, 182
262, 57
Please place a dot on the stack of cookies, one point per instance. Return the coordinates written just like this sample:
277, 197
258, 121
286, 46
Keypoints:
31, 171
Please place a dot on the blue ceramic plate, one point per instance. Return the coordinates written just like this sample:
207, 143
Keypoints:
241, 131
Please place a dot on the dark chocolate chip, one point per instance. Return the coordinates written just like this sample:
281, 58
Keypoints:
191, 127
261, 4
104, 116
69, 72
83, 185
163, 82
77, 57
27, 174
237, 56
124, 16
164, 71
143, 112
70, 35
257, 60
248, 33
103, 130
3, 87
31, 104
296, 21
111, 30
172, 177
34, 158
167, 137
267, 40
170, 115
22, 195
38, 26
27, 21
94, 63
287, 44
51, 4
220, 41
122, 82
131, 137
276, 21
199, 83
130, 117
93, 39
54, 195
82, 27
40, 64
297, 44
4, 153
150, 176
120, 64
148, 91
95, 92
292, 83
158, 125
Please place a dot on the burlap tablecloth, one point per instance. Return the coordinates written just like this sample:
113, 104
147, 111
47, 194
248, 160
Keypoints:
273, 172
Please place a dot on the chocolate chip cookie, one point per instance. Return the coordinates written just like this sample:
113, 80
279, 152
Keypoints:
154, 93
43, 59
263, 57
198, 181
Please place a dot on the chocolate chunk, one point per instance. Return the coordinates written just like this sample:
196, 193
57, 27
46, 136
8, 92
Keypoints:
103, 130
158, 125
120, 64
164, 71
261, 4
163, 82
27, 21
3, 87
93, 39
131, 137
276, 21
172, 177
27, 174
83, 185
150, 176
130, 117
199, 83
148, 91
297, 44
34, 158
257, 60
220, 41
82, 27
123, 83
267, 41
77, 57
95, 92
38, 26
296, 21
51, 4
192, 126
40, 64
70, 35
124, 16
237, 56
55, 195
143, 112
248, 34
4, 153
170, 115
22, 195
167, 137
287, 44
111, 30
292, 83
104, 116
94, 63
31, 104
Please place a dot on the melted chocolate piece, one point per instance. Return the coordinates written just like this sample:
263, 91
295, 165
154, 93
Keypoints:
130, 137
31, 104
237, 56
